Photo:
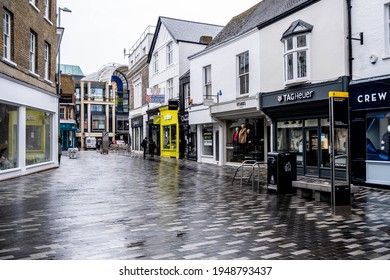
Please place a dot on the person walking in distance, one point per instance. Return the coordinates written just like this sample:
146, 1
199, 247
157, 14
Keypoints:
152, 147
144, 145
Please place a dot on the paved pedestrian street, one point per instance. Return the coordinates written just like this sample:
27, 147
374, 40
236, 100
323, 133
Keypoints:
118, 207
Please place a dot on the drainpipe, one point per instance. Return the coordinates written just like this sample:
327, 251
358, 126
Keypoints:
350, 57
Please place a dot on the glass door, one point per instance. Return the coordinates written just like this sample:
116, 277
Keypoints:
311, 153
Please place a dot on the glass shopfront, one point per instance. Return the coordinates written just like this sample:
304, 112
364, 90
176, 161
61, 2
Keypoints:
309, 140
370, 132
378, 136
38, 131
8, 136
300, 117
137, 133
169, 132
245, 140
207, 140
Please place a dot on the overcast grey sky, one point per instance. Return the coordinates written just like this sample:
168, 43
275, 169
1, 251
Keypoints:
97, 31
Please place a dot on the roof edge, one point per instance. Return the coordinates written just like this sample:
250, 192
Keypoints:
287, 13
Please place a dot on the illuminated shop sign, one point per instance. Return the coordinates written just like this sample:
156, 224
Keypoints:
295, 96
372, 97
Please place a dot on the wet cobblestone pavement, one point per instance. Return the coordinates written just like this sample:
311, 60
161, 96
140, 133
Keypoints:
116, 207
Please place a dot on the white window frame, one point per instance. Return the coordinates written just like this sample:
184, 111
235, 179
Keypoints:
33, 3
187, 95
244, 75
387, 29
47, 61
207, 82
293, 52
137, 85
170, 88
32, 52
155, 62
169, 54
47, 9
7, 35
62, 113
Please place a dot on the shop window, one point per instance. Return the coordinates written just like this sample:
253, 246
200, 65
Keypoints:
97, 93
8, 137
38, 140
296, 52
290, 138
97, 108
98, 123
207, 140
243, 72
324, 139
169, 140
378, 136
122, 125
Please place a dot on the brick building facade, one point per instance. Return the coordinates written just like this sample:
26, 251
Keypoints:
28, 96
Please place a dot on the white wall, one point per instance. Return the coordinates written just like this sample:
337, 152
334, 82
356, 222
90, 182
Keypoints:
223, 61
328, 44
369, 18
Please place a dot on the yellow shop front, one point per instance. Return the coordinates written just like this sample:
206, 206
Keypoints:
169, 132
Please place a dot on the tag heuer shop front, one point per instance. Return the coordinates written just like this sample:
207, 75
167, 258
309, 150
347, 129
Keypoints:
300, 118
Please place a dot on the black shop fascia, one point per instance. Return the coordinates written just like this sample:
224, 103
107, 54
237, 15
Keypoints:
370, 131
300, 117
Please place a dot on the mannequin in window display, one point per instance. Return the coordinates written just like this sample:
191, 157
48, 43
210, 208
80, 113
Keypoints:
242, 136
235, 138
386, 140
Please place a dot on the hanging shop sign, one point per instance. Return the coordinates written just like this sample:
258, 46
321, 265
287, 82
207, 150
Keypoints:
155, 95
173, 104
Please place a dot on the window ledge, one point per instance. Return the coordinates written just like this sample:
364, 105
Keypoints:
48, 81
35, 7
49, 21
9, 62
241, 96
296, 82
34, 74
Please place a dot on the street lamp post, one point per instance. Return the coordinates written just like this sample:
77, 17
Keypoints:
59, 50
59, 78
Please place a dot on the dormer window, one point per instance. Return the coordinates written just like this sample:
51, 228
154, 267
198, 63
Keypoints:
296, 53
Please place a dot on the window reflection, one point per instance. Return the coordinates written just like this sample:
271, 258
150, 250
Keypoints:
38, 130
8, 136
290, 138
378, 136
169, 141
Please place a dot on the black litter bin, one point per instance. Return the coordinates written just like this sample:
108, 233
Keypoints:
342, 195
282, 170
